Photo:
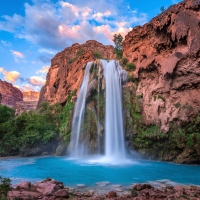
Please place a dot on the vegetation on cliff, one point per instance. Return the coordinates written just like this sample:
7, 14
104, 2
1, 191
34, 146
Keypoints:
34, 132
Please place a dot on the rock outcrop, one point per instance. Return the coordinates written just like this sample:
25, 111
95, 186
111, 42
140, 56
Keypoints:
30, 101
166, 52
10, 95
31, 96
25, 106
165, 94
67, 69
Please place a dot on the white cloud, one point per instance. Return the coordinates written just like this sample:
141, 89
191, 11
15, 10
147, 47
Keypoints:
44, 70
37, 81
28, 87
11, 24
10, 76
63, 23
17, 55
6, 44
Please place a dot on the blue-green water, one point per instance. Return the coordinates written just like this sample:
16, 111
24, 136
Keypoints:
72, 172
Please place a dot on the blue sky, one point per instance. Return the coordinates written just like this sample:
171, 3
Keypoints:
33, 31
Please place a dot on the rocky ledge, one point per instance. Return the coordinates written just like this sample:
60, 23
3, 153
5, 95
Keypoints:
50, 189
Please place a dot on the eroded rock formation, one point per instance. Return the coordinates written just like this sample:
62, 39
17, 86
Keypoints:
165, 94
10, 95
67, 69
166, 52
30, 100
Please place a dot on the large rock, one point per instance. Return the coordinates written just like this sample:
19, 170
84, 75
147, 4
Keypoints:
10, 95
166, 52
47, 188
24, 185
67, 70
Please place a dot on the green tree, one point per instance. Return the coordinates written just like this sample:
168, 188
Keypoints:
118, 39
162, 9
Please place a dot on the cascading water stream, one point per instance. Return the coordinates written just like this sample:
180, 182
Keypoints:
114, 145
78, 118
114, 132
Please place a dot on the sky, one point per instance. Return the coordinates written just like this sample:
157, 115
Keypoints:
33, 31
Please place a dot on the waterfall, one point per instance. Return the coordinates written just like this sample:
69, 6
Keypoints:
114, 76
78, 117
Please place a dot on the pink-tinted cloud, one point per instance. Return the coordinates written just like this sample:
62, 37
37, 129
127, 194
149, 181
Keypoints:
27, 88
43, 70
10, 76
37, 81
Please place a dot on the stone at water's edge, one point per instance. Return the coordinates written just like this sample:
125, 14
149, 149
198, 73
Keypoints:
53, 190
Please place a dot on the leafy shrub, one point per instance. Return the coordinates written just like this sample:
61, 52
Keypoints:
124, 61
80, 52
72, 60
118, 53
4, 187
98, 55
177, 105
161, 97
131, 66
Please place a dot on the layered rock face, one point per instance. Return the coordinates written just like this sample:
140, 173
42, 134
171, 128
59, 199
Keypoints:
166, 89
30, 101
67, 70
10, 95
166, 53
31, 96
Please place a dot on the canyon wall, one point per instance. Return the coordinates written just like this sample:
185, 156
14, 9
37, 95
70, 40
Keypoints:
165, 91
67, 70
10, 95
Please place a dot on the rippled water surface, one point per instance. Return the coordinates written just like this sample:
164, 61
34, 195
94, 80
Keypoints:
92, 170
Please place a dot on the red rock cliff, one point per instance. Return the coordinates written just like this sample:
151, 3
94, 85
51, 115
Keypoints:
67, 69
166, 52
10, 94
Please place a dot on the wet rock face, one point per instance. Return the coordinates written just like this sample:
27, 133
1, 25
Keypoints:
166, 52
67, 70
9, 94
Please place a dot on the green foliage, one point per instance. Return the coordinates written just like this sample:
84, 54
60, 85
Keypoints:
66, 117
118, 39
78, 54
4, 187
177, 105
124, 61
118, 53
161, 97
72, 60
162, 9
134, 193
98, 55
29, 129
131, 66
